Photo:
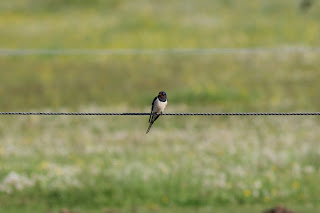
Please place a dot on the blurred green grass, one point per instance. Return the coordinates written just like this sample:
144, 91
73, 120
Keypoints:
58, 152
95, 162
156, 24
228, 82
256, 82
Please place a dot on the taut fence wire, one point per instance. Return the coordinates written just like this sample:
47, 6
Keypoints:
173, 114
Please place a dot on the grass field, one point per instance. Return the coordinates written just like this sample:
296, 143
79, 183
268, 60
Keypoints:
243, 82
157, 24
185, 164
110, 162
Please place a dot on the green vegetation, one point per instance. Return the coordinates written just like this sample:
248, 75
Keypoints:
185, 164
156, 24
227, 83
99, 162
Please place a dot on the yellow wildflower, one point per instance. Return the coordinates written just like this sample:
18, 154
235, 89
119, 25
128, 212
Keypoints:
296, 185
165, 200
247, 193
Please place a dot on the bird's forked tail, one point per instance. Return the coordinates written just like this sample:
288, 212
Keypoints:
150, 125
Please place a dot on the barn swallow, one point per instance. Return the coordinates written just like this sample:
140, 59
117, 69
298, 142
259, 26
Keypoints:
158, 105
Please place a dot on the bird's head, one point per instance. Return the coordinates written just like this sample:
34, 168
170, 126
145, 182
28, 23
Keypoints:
162, 96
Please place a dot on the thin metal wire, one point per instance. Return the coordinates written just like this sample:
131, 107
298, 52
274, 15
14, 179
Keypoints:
172, 51
180, 114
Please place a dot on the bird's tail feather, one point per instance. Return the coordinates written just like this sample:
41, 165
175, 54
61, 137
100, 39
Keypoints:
149, 127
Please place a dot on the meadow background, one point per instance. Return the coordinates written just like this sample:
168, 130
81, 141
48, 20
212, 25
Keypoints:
185, 164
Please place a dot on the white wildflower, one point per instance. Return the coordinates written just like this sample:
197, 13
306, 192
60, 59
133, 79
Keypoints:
14, 181
257, 184
309, 169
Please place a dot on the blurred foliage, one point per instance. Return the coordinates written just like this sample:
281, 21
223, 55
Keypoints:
156, 24
226, 82
305, 5
257, 82
86, 162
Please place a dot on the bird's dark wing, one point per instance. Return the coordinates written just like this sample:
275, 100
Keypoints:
150, 118
156, 117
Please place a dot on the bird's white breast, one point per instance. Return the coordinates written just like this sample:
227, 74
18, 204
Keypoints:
159, 106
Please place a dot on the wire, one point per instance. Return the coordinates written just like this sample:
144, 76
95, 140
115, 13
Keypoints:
172, 51
179, 114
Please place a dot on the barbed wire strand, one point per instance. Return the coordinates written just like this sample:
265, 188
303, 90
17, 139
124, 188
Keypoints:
162, 51
179, 114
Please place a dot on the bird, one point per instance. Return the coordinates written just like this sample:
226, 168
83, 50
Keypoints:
158, 104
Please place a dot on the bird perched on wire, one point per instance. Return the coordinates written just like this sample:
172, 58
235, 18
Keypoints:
158, 105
